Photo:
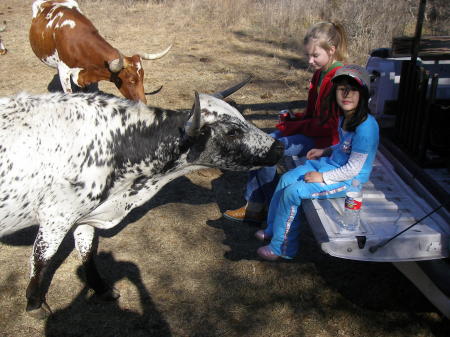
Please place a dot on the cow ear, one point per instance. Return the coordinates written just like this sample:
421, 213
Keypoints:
193, 125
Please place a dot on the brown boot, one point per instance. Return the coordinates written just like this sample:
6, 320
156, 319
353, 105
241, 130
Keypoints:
242, 214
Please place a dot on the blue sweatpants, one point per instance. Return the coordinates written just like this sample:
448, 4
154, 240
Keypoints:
283, 220
262, 182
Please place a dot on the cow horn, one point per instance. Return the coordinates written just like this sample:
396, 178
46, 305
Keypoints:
116, 65
3, 49
155, 56
233, 89
193, 125
154, 91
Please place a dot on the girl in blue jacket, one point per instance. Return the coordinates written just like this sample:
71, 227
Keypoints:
328, 173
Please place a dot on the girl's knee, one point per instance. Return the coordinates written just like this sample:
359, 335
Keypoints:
308, 190
287, 179
292, 195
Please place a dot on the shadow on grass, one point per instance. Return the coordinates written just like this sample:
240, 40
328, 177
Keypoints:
181, 190
276, 106
55, 86
86, 316
294, 62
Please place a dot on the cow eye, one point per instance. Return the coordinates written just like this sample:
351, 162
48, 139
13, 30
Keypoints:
232, 133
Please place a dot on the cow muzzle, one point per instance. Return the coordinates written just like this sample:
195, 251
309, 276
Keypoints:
273, 156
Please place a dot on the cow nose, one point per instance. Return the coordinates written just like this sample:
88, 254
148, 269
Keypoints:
278, 146
275, 153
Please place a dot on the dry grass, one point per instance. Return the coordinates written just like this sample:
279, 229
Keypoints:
370, 24
181, 268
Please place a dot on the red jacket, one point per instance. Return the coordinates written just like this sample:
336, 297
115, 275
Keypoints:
308, 123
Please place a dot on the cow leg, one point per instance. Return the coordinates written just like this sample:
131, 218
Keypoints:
64, 76
45, 246
84, 236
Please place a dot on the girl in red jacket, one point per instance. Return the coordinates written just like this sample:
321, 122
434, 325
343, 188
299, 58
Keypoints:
325, 44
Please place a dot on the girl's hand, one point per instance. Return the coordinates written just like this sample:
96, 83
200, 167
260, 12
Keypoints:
313, 177
314, 154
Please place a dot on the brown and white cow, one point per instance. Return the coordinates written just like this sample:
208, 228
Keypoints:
63, 38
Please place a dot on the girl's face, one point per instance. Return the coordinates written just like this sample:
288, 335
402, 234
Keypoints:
347, 97
318, 58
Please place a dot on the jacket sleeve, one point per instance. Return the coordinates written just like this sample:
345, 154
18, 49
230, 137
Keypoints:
312, 95
310, 127
348, 171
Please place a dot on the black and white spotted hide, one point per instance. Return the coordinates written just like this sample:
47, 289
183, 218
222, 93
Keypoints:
84, 161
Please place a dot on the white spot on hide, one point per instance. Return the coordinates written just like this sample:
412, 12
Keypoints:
138, 68
69, 23
219, 106
52, 60
37, 7
51, 20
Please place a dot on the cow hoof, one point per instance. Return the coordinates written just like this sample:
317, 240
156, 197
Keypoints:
108, 296
41, 313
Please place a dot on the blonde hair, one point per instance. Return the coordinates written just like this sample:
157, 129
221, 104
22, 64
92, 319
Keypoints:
327, 35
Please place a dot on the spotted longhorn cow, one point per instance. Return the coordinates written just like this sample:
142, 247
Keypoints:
63, 38
81, 162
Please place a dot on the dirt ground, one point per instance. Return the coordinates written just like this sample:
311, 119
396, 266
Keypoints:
181, 269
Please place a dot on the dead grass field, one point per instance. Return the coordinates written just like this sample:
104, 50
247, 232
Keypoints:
181, 269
